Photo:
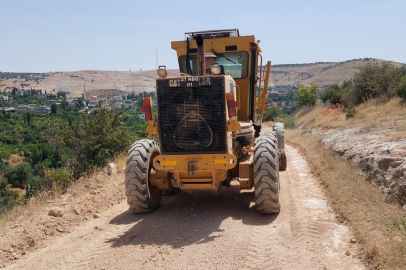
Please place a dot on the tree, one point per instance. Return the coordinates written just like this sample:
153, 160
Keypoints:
53, 108
64, 103
94, 140
28, 118
372, 81
337, 94
79, 103
401, 88
307, 96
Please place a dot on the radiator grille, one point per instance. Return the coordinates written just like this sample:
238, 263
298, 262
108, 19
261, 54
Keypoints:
192, 119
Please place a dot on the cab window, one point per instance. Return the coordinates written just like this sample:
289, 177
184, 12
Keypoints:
235, 62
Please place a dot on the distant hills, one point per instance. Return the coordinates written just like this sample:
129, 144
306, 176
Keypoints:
283, 78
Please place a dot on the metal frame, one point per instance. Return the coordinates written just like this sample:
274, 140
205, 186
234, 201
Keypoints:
213, 33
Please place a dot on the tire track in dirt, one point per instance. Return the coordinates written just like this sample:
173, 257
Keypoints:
305, 235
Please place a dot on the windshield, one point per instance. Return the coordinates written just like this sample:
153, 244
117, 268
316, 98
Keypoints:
235, 62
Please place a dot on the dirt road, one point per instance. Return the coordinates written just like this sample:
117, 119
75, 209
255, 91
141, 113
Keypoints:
210, 232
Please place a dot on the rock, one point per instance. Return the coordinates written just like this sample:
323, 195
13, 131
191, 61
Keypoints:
100, 186
15, 226
353, 240
55, 212
100, 177
347, 253
76, 211
88, 184
404, 207
93, 192
23, 214
96, 215
23, 252
111, 169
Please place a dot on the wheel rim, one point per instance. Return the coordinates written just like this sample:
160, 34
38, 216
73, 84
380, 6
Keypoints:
152, 190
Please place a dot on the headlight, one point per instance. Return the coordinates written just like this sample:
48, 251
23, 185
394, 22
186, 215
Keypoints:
162, 71
215, 69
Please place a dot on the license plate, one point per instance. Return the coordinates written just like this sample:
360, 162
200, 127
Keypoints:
189, 81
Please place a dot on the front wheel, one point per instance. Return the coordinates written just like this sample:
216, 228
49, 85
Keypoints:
141, 195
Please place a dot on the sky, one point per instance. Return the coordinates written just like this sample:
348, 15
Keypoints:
44, 36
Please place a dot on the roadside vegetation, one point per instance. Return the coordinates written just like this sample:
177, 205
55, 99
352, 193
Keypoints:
43, 153
374, 81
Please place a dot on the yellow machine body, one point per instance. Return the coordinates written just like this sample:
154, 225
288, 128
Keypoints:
211, 170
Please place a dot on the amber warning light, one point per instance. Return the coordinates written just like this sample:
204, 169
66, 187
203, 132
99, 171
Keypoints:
232, 105
147, 109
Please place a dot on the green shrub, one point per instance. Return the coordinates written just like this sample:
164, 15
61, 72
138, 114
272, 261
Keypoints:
94, 140
350, 113
401, 88
307, 96
337, 94
32, 188
19, 175
374, 80
59, 177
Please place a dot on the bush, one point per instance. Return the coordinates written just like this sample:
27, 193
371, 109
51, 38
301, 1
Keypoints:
59, 177
337, 94
19, 175
307, 96
94, 140
350, 113
401, 88
374, 80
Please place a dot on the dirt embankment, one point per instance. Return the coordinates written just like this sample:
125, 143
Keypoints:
374, 140
220, 231
383, 161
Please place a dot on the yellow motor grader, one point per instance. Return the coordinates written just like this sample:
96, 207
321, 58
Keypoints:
209, 125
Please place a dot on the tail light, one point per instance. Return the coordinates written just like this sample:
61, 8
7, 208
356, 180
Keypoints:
232, 104
147, 109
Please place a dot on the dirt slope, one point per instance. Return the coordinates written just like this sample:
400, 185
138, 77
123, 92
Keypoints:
196, 232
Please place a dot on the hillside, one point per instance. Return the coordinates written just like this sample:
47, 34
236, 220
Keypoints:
283, 78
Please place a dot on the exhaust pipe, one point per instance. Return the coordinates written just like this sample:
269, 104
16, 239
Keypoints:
201, 63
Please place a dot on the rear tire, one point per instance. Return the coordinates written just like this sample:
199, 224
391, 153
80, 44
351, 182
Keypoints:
266, 173
141, 196
279, 129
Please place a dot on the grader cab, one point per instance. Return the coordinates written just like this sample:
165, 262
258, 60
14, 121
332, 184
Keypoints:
208, 127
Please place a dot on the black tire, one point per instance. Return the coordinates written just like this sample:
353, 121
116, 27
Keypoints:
141, 196
279, 129
266, 173
283, 163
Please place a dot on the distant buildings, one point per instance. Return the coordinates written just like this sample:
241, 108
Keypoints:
38, 109
18, 92
3, 97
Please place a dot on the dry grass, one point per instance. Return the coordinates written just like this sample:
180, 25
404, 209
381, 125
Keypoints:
15, 159
379, 226
389, 117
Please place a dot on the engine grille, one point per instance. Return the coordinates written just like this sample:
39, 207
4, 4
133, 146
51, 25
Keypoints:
192, 119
